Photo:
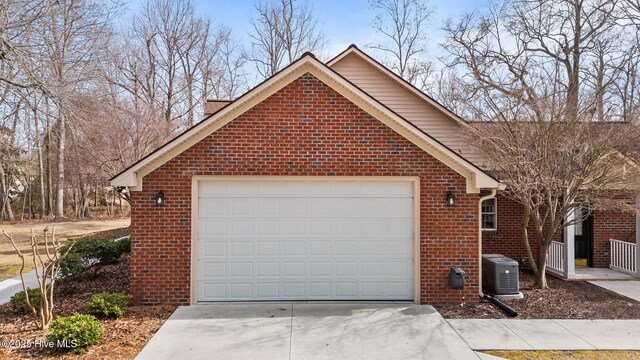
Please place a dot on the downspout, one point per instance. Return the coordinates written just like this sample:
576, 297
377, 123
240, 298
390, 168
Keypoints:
483, 198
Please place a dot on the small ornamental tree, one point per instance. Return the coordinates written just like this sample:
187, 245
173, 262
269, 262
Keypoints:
554, 108
46, 262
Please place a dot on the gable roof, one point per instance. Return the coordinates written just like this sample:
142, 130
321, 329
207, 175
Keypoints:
354, 50
409, 102
476, 178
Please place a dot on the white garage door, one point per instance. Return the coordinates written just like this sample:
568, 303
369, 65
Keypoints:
305, 240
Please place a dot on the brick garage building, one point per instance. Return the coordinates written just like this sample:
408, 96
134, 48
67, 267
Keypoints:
305, 188
334, 181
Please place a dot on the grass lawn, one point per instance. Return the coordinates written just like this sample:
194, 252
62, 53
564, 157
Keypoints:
7, 271
573, 355
21, 232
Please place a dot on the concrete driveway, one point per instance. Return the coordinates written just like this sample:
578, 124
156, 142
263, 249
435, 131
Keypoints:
306, 331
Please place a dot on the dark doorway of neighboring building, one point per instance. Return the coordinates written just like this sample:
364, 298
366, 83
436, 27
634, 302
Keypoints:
584, 242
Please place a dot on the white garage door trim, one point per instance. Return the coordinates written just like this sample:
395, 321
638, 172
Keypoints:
195, 216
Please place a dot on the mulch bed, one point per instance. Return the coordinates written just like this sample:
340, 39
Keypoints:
123, 337
564, 300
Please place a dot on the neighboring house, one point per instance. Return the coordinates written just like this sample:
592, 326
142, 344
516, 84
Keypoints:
334, 181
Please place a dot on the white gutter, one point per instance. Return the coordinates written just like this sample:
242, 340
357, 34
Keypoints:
487, 197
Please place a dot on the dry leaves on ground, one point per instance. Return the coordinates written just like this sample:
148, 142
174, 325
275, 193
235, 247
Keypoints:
564, 300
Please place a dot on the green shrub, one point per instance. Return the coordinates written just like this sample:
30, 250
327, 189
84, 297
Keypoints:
91, 251
74, 332
125, 245
73, 267
104, 251
108, 305
19, 302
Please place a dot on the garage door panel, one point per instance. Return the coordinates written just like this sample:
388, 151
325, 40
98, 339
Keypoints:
345, 268
214, 291
212, 249
346, 248
213, 208
400, 268
267, 227
268, 248
268, 268
293, 227
240, 269
320, 207
292, 207
241, 227
372, 248
320, 290
398, 249
298, 247
266, 290
241, 290
346, 289
371, 227
320, 268
292, 290
241, 248
399, 289
320, 249
345, 227
320, 227
293, 269
242, 207
208, 227
266, 208
212, 270
297, 240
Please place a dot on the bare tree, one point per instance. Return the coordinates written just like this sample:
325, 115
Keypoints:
282, 32
632, 11
223, 70
67, 45
47, 263
402, 27
525, 60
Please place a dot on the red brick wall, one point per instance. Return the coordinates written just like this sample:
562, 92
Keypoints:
611, 225
507, 239
304, 129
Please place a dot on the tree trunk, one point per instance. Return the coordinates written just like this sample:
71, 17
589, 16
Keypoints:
541, 276
525, 236
573, 87
24, 203
43, 206
49, 166
60, 183
6, 202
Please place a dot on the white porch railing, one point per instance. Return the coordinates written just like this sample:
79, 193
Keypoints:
555, 256
623, 256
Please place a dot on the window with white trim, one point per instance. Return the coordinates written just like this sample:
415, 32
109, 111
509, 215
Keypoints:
490, 214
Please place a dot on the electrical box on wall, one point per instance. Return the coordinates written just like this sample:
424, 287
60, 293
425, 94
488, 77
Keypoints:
456, 278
